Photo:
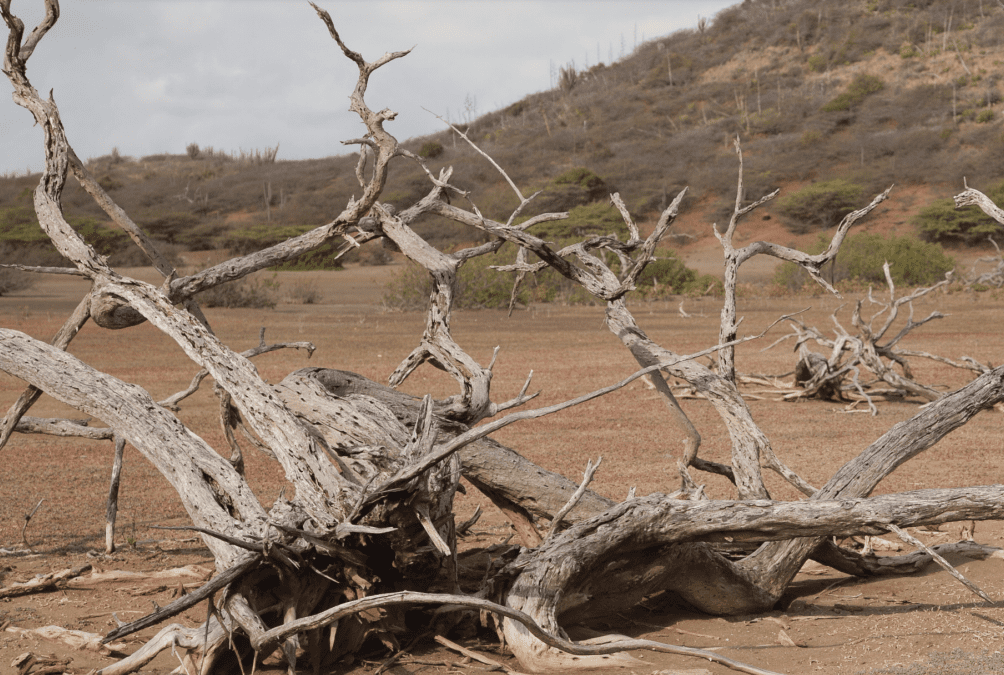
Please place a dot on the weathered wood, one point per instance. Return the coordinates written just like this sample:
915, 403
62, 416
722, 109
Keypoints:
220, 581
502, 474
181, 456
46, 582
777, 563
111, 512
61, 340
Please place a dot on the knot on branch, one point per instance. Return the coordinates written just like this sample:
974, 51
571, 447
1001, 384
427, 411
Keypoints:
112, 312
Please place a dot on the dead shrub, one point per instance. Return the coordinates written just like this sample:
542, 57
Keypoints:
256, 291
14, 280
304, 292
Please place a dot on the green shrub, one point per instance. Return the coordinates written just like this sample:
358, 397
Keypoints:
573, 188
985, 116
480, 287
477, 286
820, 205
810, 138
431, 149
596, 218
668, 275
817, 63
942, 222
911, 262
857, 91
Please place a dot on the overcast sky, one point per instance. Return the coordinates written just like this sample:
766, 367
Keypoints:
151, 76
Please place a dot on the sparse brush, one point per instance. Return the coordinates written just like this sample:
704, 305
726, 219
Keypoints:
912, 262
820, 205
942, 222
252, 292
14, 280
304, 292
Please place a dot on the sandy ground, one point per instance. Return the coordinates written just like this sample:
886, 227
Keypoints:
837, 624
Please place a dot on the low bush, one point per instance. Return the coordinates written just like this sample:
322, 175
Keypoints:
431, 149
817, 63
13, 279
942, 222
574, 187
857, 91
595, 218
304, 292
668, 275
255, 291
911, 262
374, 254
480, 287
820, 205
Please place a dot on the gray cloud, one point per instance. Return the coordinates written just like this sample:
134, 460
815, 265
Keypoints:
153, 76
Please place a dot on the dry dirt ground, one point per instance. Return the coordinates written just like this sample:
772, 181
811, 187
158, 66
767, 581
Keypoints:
927, 623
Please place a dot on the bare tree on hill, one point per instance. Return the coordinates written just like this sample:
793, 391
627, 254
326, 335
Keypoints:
368, 528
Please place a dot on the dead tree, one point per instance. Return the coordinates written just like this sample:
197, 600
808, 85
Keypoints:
993, 277
839, 375
368, 528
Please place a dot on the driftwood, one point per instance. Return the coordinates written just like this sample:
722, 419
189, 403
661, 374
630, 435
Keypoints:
371, 528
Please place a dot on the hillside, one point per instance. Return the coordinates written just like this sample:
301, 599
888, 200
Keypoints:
873, 91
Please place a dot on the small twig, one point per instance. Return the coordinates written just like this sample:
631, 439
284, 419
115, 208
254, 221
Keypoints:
279, 633
27, 519
587, 478
186, 601
401, 652
463, 527
449, 644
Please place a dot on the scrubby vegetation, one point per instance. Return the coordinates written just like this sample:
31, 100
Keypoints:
911, 262
481, 287
821, 205
256, 291
857, 91
942, 222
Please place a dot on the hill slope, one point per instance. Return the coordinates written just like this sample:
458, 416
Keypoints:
875, 91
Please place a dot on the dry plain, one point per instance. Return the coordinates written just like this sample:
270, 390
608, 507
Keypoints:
837, 624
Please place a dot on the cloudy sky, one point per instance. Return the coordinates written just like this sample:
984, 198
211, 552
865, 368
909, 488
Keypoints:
151, 76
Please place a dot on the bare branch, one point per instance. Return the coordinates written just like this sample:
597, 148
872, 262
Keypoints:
332, 615
491, 427
60, 340
73, 271
947, 566
587, 478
